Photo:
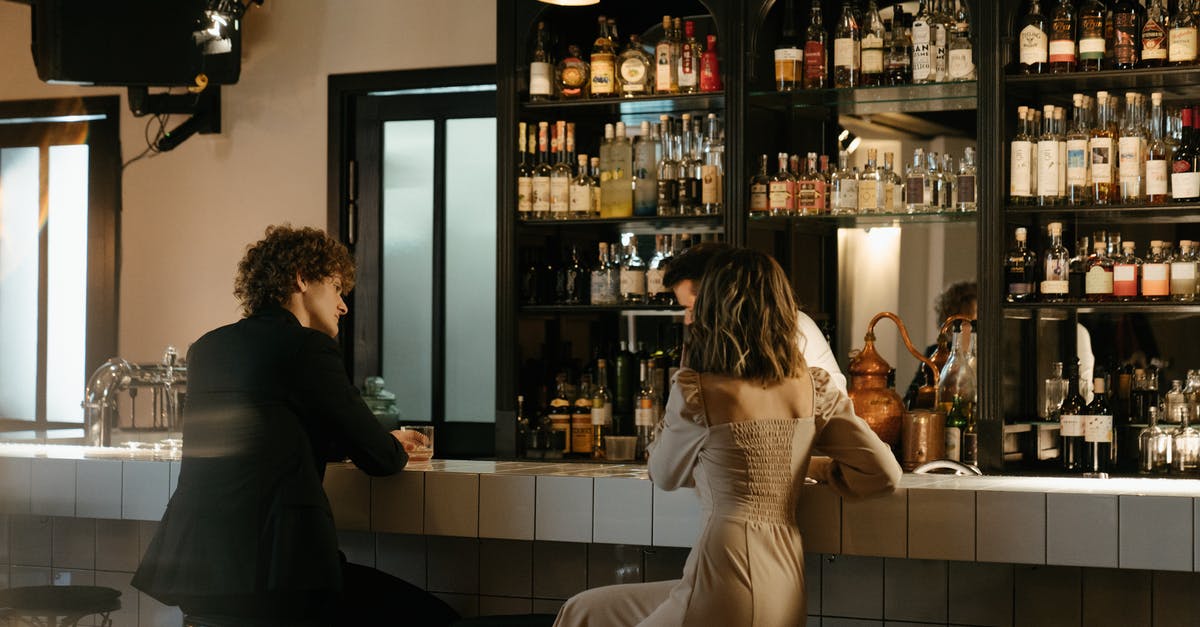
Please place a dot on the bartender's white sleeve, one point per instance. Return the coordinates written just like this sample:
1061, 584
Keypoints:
816, 350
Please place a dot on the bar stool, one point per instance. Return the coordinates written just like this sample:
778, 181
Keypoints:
57, 606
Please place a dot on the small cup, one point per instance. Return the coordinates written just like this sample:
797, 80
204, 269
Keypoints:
619, 448
421, 453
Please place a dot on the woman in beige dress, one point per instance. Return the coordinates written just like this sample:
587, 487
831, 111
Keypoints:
742, 427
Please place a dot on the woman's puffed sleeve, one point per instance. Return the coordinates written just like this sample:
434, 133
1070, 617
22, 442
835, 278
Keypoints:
859, 463
683, 431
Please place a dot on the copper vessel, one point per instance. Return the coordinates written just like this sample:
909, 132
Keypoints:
873, 400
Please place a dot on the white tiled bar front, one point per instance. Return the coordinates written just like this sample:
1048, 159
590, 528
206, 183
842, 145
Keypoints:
504, 537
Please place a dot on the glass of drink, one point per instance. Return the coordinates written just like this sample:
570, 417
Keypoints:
423, 451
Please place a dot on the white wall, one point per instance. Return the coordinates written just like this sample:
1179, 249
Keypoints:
189, 214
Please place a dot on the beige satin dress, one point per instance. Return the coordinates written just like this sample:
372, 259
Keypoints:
746, 448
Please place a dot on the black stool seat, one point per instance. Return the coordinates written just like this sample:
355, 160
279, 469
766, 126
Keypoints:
507, 620
59, 606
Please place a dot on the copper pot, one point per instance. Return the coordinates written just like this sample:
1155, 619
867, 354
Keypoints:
873, 400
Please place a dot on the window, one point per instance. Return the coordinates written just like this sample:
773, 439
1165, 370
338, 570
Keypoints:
59, 201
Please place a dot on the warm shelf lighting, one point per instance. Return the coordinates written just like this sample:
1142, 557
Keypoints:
571, 3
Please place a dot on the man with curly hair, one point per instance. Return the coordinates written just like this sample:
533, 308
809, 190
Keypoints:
249, 535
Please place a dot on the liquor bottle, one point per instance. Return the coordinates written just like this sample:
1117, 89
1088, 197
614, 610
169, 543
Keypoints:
1185, 163
923, 60
898, 62
1098, 278
626, 389
644, 417
845, 187
915, 183
635, 69
1047, 161
1033, 40
1054, 392
846, 49
941, 25
601, 409
1181, 38
779, 189
1091, 35
1127, 273
870, 186
1183, 274
1060, 129
1175, 404
1098, 433
540, 185
1062, 38
789, 53
655, 270
939, 190
712, 173
1076, 273
668, 170
688, 69
1079, 160
579, 196
871, 53
1100, 147
710, 67
598, 283
633, 275
960, 64
1057, 263
1154, 448
956, 391
603, 63
691, 166
618, 197
665, 53
595, 182
1020, 270
582, 444
810, 189
645, 172
966, 184
816, 53
541, 67
893, 186
1071, 422
759, 185
1020, 190
1156, 274
560, 175
1130, 150
1156, 154
560, 419
572, 72
1127, 32
524, 176
1154, 35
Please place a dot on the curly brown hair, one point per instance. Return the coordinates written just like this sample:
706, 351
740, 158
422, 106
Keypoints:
957, 299
266, 276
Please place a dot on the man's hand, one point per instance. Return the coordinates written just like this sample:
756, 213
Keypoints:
410, 439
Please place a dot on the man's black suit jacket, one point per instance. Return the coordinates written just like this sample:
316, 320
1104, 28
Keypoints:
268, 403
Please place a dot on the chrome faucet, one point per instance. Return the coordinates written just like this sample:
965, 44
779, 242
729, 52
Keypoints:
167, 379
958, 468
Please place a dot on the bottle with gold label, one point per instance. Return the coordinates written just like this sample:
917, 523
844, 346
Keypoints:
603, 63
573, 80
560, 419
581, 419
601, 409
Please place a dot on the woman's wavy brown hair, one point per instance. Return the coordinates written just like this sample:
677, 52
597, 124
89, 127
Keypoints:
266, 276
744, 320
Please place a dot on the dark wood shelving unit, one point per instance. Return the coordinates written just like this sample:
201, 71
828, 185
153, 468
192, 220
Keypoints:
1174, 82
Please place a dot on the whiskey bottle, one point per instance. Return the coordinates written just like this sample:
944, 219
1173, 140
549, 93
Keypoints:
870, 186
580, 195
635, 72
1127, 272
1181, 38
1071, 422
923, 60
1156, 274
560, 175
540, 184
582, 434
603, 63
916, 183
560, 419
1091, 35
1020, 270
1156, 154
789, 53
816, 61
779, 189
712, 172
846, 49
1098, 433
669, 170
524, 176
1062, 38
665, 53
1055, 286
1048, 193
1154, 35
573, 78
1126, 20
759, 186
1032, 41
1098, 280
1020, 191
688, 69
601, 410
541, 67
645, 172
1185, 163
871, 52
966, 184
1100, 147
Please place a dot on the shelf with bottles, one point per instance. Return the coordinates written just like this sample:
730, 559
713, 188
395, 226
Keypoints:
640, 225
868, 220
626, 106
1168, 213
929, 97
1055, 310
1178, 82
624, 309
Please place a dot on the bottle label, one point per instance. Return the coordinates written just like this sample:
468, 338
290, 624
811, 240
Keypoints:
524, 194
1098, 281
581, 198
1019, 184
601, 413
574, 77
654, 281
560, 189
780, 195
806, 197
1047, 163
1072, 425
1019, 288
663, 76
961, 67
872, 54
668, 194
541, 194
1183, 270
843, 53
1077, 162
1153, 40
788, 54
1097, 429
814, 59
1156, 279
1125, 280
602, 76
539, 78
644, 416
788, 63
1182, 44
633, 73
1091, 48
915, 190
846, 196
1062, 51
601, 288
1129, 149
1185, 184
868, 194
1033, 45
710, 184
633, 281
1056, 277
953, 440
758, 197
965, 190
1102, 165
687, 68
1156, 177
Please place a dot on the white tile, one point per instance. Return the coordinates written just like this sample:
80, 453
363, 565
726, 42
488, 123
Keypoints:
506, 506
21, 576
72, 577
852, 587
1047, 596
98, 488
564, 509
1081, 530
117, 545
559, 570
941, 525
127, 616
52, 487
31, 540
914, 590
819, 516
1156, 532
15, 485
876, 527
981, 594
1010, 527
358, 546
398, 503
73, 543
402, 556
677, 517
1116, 597
622, 511
1175, 602
349, 492
453, 565
452, 504
506, 568
145, 489
500, 606
812, 581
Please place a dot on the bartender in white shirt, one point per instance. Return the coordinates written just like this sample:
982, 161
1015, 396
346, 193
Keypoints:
683, 275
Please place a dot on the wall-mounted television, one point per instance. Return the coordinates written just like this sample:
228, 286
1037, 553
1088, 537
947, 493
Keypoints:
148, 43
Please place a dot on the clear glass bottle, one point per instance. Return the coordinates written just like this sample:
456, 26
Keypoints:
633, 275
655, 291
1185, 446
845, 187
1183, 274
665, 60
668, 170
595, 182
816, 53
541, 66
1020, 271
956, 391
599, 285
645, 172
1056, 262
1098, 280
780, 201
540, 184
692, 166
809, 188
1062, 38
618, 198
1020, 181
893, 187
580, 196
560, 175
946, 190
915, 183
1033, 41
712, 173
644, 417
1181, 37
1101, 148
1098, 433
846, 49
789, 53
1079, 157
1054, 391
1156, 275
1048, 193
635, 69
871, 52
1175, 403
688, 64
923, 60
1155, 168
524, 175
898, 61
960, 64
1127, 272
602, 414
936, 182
759, 186
870, 186
573, 78
1154, 447
1131, 150
942, 25
966, 185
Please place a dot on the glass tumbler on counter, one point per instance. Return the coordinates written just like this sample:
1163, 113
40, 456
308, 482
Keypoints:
421, 453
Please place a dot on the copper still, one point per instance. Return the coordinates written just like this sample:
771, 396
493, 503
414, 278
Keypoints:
873, 400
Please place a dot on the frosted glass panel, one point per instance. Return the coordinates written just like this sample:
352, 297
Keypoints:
407, 278
471, 270
19, 283
66, 300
